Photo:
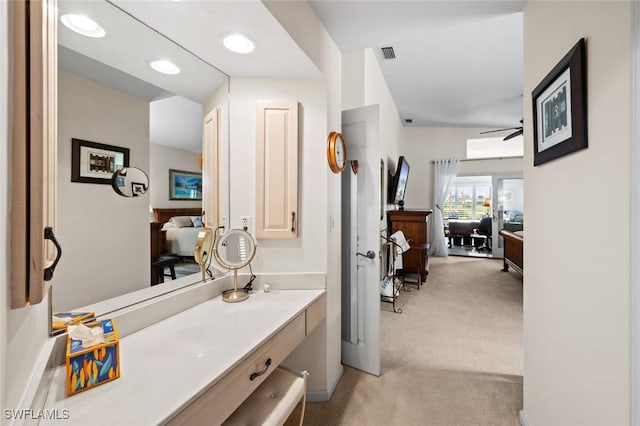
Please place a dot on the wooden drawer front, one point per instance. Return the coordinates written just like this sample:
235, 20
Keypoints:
316, 313
221, 400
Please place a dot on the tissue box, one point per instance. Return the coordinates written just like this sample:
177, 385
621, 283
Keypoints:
93, 366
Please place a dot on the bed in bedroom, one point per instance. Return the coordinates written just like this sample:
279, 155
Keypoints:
513, 246
181, 226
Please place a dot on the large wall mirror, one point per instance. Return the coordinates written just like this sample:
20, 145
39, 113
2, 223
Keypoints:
109, 94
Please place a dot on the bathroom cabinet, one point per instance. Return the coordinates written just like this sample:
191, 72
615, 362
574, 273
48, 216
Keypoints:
276, 170
34, 149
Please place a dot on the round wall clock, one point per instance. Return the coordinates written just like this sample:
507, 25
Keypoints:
336, 152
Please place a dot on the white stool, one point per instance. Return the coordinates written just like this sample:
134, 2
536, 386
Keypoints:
274, 400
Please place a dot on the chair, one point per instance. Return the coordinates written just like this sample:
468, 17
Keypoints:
485, 228
157, 269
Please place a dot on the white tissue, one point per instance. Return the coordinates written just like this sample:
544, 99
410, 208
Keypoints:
89, 336
402, 245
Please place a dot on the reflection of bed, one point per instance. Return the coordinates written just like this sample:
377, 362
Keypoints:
513, 245
180, 241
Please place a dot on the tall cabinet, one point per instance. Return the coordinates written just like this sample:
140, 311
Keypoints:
277, 169
413, 224
34, 249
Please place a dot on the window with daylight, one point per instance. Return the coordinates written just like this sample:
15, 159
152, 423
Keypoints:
469, 198
495, 148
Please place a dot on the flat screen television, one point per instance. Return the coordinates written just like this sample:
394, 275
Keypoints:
398, 182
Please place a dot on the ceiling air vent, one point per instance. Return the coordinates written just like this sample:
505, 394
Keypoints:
388, 53
408, 120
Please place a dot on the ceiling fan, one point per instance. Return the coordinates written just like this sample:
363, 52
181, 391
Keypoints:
518, 131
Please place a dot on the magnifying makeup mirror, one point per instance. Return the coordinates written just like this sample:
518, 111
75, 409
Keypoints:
130, 182
204, 243
235, 250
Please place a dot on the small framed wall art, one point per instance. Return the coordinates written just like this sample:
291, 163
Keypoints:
185, 185
93, 162
560, 108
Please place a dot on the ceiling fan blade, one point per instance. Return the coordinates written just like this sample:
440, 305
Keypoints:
499, 130
514, 134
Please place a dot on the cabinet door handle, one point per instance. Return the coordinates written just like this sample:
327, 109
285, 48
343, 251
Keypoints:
293, 221
49, 235
253, 376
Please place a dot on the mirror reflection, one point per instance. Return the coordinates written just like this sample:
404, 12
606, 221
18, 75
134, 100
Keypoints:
130, 182
115, 89
235, 250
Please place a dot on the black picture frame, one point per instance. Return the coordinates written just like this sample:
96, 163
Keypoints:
93, 162
560, 108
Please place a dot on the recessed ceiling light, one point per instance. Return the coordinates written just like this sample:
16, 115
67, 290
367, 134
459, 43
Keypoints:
238, 43
165, 67
83, 25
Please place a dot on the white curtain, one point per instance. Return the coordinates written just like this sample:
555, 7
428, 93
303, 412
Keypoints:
444, 173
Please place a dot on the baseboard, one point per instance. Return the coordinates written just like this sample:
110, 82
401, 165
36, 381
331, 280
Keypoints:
324, 395
523, 418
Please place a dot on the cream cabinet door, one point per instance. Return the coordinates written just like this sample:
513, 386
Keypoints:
34, 149
277, 170
211, 169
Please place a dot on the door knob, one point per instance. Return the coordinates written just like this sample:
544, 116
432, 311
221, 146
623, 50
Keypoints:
370, 254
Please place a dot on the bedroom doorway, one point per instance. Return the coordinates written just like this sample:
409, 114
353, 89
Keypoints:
479, 206
508, 210
467, 216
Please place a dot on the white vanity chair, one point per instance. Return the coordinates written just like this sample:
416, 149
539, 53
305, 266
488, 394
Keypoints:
275, 401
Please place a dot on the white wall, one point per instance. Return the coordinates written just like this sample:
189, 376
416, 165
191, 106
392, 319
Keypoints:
422, 145
301, 22
105, 237
163, 158
576, 283
307, 252
365, 85
376, 91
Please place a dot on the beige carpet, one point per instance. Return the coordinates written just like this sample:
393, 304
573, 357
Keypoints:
453, 357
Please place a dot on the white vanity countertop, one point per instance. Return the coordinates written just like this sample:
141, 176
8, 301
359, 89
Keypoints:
167, 365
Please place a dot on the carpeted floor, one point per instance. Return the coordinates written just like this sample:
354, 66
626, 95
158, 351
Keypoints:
453, 357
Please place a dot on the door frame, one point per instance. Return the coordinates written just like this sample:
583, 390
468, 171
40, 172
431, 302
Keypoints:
634, 205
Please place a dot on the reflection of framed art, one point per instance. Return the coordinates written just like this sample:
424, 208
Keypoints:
138, 189
93, 162
560, 108
185, 185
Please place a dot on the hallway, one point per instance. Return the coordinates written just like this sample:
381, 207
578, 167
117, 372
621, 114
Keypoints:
453, 357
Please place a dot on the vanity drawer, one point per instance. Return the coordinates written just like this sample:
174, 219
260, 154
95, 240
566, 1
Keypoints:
316, 313
221, 400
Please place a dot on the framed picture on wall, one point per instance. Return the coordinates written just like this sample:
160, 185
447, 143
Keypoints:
560, 108
93, 162
185, 185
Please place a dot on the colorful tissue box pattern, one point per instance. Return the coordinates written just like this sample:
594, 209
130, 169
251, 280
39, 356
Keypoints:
89, 367
61, 320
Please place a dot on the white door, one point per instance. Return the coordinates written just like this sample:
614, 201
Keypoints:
508, 208
361, 229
